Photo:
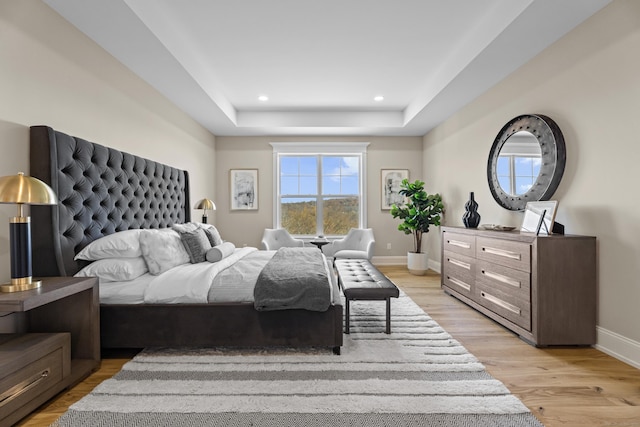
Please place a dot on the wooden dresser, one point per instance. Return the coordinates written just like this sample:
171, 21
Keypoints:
543, 288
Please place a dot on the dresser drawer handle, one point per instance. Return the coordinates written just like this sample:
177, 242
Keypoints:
23, 386
459, 244
497, 301
459, 283
503, 279
502, 253
464, 265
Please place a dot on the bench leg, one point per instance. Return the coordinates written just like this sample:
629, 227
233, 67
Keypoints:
346, 316
388, 331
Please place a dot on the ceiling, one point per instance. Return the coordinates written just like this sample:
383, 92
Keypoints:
322, 62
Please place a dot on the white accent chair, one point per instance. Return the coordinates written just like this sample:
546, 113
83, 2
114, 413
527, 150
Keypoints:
275, 238
357, 244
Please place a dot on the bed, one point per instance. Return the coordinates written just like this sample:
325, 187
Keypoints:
103, 191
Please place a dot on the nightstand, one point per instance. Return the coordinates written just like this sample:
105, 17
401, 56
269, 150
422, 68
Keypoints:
36, 321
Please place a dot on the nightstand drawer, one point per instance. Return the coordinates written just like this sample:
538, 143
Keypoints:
31, 365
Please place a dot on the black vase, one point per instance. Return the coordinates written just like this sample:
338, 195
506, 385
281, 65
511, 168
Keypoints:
471, 217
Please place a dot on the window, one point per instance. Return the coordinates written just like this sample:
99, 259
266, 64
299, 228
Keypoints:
319, 188
517, 174
519, 163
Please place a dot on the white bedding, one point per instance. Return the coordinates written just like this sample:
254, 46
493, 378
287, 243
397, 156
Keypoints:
189, 283
222, 281
129, 292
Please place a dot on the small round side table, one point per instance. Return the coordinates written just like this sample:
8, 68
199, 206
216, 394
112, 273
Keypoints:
319, 243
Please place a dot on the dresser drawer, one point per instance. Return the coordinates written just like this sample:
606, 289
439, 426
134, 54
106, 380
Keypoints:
33, 363
458, 272
510, 301
459, 243
509, 280
504, 252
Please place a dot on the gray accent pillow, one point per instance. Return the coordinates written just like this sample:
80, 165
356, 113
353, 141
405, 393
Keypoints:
220, 251
197, 244
212, 234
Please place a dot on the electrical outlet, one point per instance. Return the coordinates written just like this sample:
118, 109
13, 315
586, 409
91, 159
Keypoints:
388, 246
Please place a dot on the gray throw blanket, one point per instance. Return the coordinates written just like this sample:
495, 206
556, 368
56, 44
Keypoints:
293, 278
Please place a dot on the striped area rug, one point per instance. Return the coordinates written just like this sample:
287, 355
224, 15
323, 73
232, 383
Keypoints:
416, 376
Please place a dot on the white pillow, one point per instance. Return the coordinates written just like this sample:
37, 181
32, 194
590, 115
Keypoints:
162, 250
115, 269
220, 251
123, 244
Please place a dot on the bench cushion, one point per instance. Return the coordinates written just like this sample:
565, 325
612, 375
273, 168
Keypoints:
359, 279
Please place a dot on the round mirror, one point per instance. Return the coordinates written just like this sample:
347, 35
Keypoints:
519, 163
526, 161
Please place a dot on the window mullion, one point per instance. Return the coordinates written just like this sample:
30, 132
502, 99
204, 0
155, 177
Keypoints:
512, 173
319, 204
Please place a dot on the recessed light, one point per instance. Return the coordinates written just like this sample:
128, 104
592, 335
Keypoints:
378, 98
263, 98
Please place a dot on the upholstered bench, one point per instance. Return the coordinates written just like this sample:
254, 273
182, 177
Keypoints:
360, 280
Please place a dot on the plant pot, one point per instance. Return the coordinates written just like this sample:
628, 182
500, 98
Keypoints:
418, 263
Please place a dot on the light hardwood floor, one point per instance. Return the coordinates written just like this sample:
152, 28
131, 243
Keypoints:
561, 386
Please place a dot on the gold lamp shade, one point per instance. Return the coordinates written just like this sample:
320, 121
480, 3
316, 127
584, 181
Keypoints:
207, 205
23, 190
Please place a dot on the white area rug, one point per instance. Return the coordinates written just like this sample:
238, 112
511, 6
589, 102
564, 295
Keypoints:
417, 376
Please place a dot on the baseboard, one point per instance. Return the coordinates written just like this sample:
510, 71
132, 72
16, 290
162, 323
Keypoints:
618, 346
402, 260
389, 260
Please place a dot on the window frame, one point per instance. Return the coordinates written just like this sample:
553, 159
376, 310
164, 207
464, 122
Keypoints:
513, 177
357, 149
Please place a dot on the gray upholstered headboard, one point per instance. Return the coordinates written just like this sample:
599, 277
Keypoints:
100, 191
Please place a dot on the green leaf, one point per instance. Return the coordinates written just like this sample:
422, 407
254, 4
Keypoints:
421, 211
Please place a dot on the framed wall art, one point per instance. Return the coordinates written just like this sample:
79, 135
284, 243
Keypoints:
243, 188
390, 180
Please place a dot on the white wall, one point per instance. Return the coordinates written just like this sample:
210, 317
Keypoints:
246, 227
589, 83
51, 74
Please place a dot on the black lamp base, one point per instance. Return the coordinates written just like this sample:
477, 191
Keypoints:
20, 250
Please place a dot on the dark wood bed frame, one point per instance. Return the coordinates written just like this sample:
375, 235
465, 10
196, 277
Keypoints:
101, 191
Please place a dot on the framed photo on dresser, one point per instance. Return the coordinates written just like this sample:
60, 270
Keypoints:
539, 217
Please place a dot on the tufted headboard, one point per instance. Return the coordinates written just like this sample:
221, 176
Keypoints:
100, 191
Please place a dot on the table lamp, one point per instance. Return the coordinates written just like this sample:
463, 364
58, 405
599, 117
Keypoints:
23, 190
207, 205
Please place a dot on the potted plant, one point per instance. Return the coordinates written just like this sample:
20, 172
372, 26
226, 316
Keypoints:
420, 211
